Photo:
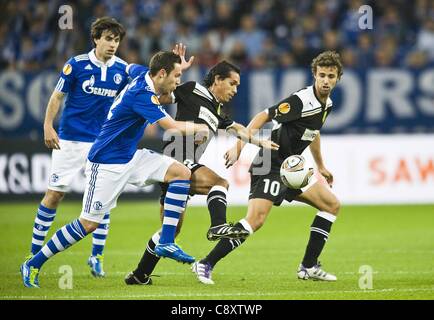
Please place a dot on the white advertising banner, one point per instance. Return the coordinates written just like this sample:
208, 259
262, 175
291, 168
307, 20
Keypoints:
368, 169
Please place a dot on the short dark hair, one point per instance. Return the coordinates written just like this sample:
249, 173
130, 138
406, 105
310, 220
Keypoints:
222, 69
328, 59
163, 60
106, 23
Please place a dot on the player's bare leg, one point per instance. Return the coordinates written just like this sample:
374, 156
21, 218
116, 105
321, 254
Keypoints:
320, 197
52, 198
257, 212
206, 182
203, 181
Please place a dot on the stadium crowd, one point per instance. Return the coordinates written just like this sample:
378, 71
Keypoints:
251, 33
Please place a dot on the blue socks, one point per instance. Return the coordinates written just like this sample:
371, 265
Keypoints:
99, 236
174, 205
61, 240
43, 221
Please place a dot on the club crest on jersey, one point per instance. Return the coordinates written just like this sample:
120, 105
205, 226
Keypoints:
284, 108
67, 69
88, 87
155, 100
97, 205
117, 78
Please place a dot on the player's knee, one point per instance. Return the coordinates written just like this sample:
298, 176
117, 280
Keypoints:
178, 172
222, 182
335, 206
89, 226
218, 181
52, 198
183, 173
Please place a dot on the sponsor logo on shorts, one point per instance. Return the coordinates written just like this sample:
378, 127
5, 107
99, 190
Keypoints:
54, 177
309, 135
97, 205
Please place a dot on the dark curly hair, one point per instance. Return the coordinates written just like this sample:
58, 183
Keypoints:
106, 23
328, 59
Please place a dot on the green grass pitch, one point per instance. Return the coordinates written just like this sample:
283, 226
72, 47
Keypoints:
397, 242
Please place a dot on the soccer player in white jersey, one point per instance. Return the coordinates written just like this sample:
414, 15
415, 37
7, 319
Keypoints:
297, 121
90, 83
114, 161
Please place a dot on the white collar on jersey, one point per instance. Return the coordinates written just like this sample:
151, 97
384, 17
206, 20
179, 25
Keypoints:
149, 82
99, 63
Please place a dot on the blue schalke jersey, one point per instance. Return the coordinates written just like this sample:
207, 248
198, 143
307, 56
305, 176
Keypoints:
135, 107
91, 87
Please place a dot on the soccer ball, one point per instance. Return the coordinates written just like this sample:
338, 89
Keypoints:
295, 172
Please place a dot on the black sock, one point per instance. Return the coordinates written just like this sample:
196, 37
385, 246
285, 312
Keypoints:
148, 262
222, 249
319, 234
217, 205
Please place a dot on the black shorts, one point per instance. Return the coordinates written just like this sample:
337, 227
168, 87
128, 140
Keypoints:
271, 187
193, 166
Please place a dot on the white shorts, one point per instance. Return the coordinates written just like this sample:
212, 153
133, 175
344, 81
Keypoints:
105, 182
66, 164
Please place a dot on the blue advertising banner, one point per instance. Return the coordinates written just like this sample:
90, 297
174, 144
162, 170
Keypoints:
365, 101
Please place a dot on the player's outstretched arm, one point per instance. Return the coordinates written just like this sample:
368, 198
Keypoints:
51, 138
258, 121
248, 136
315, 149
185, 128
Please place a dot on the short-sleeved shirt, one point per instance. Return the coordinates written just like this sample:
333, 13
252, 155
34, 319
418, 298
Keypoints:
135, 107
91, 87
297, 120
197, 104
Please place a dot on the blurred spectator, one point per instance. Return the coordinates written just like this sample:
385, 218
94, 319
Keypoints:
250, 36
416, 60
301, 54
286, 60
350, 22
425, 38
331, 40
238, 55
349, 58
207, 56
365, 50
269, 33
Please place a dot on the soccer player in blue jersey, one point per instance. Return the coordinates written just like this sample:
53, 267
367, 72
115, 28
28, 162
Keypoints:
89, 82
114, 161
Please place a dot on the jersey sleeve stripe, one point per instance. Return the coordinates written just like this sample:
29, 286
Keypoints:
311, 112
81, 57
117, 59
59, 85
